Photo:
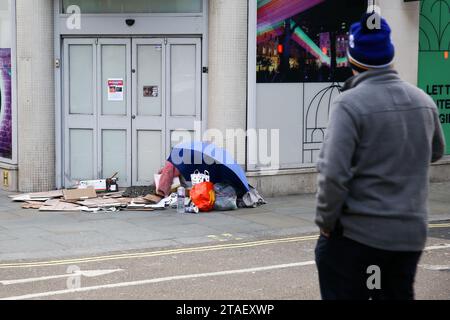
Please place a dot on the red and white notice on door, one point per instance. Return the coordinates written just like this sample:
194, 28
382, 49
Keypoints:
115, 89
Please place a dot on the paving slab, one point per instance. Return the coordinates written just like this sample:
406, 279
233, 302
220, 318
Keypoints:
17, 233
27, 245
84, 239
185, 230
273, 220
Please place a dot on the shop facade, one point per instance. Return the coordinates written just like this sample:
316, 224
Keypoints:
110, 86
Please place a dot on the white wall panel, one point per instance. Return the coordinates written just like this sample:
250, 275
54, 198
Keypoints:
280, 108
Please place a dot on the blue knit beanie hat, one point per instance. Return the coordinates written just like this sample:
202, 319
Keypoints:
370, 48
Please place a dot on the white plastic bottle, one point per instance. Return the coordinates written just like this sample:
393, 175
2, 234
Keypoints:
181, 195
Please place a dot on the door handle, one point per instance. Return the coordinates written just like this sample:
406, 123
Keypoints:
133, 117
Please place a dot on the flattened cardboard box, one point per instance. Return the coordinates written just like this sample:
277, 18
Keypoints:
99, 202
153, 198
61, 206
79, 194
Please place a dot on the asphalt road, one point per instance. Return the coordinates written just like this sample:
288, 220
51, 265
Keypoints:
277, 268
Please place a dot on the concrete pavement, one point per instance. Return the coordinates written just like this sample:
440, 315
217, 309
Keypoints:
30, 234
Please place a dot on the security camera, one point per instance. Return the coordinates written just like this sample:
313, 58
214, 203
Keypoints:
130, 22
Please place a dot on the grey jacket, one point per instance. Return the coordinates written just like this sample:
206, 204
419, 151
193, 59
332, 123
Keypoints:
373, 167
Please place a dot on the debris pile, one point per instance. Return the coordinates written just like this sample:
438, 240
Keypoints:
89, 200
207, 179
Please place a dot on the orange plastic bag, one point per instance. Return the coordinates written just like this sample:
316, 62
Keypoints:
203, 196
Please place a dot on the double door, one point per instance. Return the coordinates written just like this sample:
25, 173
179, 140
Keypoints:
126, 103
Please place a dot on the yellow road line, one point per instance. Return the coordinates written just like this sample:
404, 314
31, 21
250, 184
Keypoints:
156, 253
441, 225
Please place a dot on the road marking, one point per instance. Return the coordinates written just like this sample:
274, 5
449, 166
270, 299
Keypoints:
434, 267
85, 273
439, 225
216, 238
174, 251
223, 237
438, 247
159, 280
158, 253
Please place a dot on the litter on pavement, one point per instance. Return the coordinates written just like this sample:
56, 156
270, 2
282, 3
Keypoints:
215, 182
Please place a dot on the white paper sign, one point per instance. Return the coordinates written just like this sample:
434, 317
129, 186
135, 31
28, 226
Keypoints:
115, 89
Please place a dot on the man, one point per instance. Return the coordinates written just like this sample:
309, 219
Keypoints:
373, 176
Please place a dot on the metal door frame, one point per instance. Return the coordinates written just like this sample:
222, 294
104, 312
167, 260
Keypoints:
113, 122
78, 121
97, 122
144, 122
179, 122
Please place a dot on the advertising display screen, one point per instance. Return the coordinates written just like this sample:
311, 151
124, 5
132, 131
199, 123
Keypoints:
304, 40
6, 142
5, 104
301, 62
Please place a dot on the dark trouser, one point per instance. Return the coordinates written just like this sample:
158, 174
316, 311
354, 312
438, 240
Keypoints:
344, 275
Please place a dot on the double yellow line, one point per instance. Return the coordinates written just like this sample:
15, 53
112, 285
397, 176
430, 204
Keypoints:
171, 251
156, 253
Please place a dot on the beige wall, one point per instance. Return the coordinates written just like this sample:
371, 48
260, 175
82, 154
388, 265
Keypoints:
227, 77
403, 17
35, 93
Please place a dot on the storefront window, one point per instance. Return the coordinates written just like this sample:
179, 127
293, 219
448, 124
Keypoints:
300, 64
6, 40
135, 6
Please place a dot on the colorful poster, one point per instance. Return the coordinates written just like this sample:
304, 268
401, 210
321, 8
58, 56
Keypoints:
115, 89
434, 61
5, 104
304, 40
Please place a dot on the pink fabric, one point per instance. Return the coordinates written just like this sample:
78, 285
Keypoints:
168, 173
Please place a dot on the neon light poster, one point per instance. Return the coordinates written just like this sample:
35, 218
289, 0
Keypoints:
5, 104
304, 40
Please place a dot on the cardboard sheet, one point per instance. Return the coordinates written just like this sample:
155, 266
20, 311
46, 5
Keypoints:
32, 205
37, 196
100, 202
153, 198
62, 206
26, 197
79, 194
